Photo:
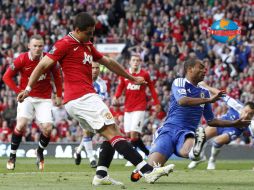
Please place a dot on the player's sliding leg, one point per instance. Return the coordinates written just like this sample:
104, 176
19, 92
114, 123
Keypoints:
15, 141
43, 143
215, 150
217, 143
199, 142
194, 164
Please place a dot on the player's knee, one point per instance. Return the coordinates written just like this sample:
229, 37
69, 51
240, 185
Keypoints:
110, 131
217, 144
46, 129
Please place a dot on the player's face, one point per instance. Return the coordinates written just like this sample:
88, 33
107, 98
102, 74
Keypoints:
199, 71
135, 62
87, 34
36, 47
95, 70
247, 113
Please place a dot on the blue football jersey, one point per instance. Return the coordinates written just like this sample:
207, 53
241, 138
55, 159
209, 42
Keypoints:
187, 117
100, 88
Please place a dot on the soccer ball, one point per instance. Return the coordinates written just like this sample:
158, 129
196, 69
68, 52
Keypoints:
224, 30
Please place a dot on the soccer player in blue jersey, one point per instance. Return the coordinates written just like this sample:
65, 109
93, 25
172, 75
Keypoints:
86, 142
188, 103
225, 135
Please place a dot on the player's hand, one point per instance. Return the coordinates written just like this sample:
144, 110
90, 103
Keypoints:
115, 101
219, 94
139, 80
241, 123
157, 108
22, 95
58, 101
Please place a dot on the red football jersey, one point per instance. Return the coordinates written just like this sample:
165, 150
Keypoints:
135, 95
24, 64
76, 61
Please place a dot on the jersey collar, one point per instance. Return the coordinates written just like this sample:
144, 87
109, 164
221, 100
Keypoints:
75, 39
31, 58
138, 71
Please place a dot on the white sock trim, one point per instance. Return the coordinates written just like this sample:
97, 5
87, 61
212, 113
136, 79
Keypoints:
103, 168
141, 165
13, 151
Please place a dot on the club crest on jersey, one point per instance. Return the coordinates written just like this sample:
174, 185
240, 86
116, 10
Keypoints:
108, 115
202, 95
53, 49
133, 86
87, 58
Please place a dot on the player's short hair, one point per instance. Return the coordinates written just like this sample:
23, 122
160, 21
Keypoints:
36, 37
190, 63
134, 54
83, 20
250, 104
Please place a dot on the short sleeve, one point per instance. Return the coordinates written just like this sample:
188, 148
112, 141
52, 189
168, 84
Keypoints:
58, 51
178, 89
96, 54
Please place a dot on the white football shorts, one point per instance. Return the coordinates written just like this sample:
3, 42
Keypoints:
39, 108
90, 111
134, 121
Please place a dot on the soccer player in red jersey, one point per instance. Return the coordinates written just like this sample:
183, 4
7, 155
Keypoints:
75, 53
135, 102
38, 103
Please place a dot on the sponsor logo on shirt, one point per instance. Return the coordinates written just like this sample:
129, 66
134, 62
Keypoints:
133, 86
42, 77
87, 58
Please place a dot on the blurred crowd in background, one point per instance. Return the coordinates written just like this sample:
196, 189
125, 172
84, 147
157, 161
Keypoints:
164, 32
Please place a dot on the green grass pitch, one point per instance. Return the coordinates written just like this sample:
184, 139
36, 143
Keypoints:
63, 174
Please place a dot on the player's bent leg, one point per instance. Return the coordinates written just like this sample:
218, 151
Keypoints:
199, 142
217, 143
43, 143
15, 142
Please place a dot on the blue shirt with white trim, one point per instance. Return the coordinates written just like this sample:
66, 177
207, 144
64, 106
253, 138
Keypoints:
187, 117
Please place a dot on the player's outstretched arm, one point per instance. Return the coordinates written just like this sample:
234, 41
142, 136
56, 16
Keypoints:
119, 70
41, 68
189, 101
239, 123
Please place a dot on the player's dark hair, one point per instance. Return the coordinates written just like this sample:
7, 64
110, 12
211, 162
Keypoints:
83, 20
190, 63
36, 37
250, 104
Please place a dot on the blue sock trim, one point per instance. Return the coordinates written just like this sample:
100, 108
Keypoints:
216, 145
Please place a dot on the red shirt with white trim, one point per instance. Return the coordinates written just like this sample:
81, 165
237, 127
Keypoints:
135, 95
76, 60
24, 64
